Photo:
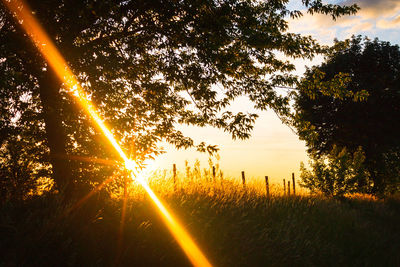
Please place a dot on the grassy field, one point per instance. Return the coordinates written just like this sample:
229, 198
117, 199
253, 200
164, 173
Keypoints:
234, 227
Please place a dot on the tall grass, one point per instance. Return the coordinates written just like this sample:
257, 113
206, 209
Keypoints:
234, 227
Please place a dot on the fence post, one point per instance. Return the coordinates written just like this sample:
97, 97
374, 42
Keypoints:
288, 188
284, 187
222, 180
294, 184
188, 174
267, 185
213, 170
243, 179
174, 174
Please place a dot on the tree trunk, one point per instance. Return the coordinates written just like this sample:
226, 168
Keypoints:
49, 86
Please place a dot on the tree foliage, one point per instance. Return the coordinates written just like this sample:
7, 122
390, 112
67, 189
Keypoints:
148, 66
363, 111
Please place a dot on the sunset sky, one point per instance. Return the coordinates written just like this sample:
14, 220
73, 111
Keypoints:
60, 137
273, 149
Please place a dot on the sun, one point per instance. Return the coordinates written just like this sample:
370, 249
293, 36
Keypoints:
131, 165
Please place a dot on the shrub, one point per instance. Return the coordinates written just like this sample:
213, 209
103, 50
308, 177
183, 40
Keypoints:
337, 173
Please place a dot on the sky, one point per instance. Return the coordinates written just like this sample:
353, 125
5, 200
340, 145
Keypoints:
273, 149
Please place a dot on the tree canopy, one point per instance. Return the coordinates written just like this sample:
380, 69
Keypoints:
147, 66
369, 68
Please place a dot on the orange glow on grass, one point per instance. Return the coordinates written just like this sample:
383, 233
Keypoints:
58, 64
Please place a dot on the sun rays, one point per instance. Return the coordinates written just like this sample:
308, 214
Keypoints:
53, 57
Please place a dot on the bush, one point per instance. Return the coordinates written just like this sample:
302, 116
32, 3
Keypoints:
337, 173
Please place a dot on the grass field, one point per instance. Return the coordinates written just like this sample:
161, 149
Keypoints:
233, 226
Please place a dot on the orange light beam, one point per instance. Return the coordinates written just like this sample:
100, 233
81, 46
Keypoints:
53, 57
59, 65
184, 240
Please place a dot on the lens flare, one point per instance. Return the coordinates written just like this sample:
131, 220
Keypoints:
185, 241
131, 165
53, 57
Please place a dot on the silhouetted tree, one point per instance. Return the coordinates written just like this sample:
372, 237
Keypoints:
369, 70
149, 65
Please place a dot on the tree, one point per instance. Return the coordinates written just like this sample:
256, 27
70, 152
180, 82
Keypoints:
370, 72
149, 65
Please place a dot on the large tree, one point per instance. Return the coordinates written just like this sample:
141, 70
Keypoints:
325, 120
147, 65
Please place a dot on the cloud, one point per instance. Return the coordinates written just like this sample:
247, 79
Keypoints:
319, 26
316, 24
389, 24
373, 16
360, 27
375, 8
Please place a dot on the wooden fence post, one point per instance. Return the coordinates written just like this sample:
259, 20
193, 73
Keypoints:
174, 174
222, 179
267, 185
284, 187
243, 179
213, 170
294, 184
288, 188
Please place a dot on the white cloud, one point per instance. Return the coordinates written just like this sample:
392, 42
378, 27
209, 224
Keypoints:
389, 24
374, 15
360, 27
318, 26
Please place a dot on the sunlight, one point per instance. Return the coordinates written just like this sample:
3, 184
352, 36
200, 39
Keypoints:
56, 61
131, 165
184, 239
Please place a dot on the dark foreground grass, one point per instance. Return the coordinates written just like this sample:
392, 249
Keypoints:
233, 229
